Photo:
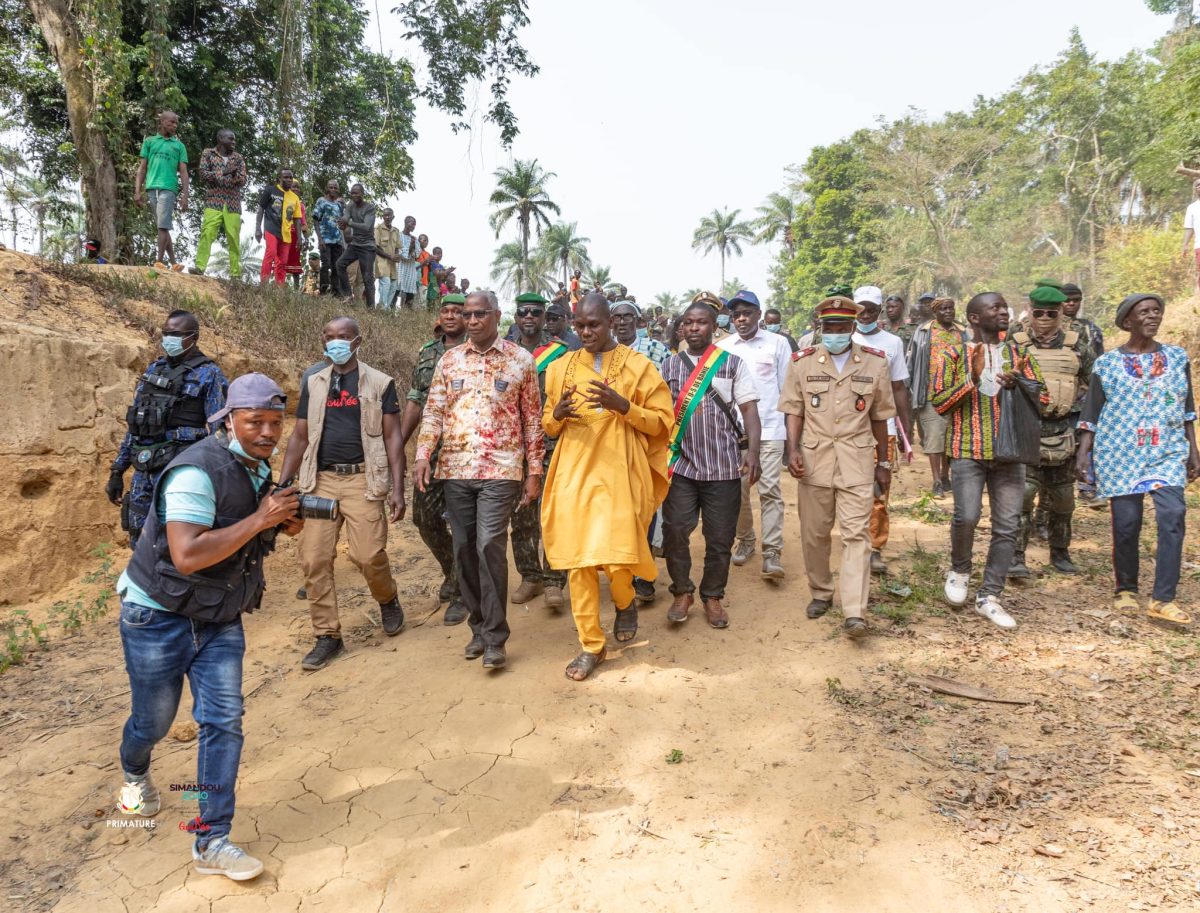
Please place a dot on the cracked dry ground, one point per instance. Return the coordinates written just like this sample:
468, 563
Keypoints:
810, 772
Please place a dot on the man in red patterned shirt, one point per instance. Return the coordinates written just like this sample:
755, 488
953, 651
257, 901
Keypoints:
485, 408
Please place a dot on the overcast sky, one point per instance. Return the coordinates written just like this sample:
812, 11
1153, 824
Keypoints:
652, 113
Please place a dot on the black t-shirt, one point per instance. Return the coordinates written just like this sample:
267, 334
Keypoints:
341, 439
270, 201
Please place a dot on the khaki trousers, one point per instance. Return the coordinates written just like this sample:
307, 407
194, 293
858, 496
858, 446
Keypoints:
770, 500
366, 534
852, 508
585, 600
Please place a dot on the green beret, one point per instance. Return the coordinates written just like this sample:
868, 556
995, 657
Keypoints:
1049, 283
838, 290
1045, 294
454, 298
530, 298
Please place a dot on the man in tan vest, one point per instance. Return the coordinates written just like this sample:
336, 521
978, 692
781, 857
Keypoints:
837, 399
347, 445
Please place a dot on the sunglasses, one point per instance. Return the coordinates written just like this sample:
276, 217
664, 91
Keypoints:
476, 315
1043, 312
530, 312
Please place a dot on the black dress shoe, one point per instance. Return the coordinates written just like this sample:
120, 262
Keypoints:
446, 592
818, 607
302, 593
474, 649
326, 648
456, 613
393, 616
494, 658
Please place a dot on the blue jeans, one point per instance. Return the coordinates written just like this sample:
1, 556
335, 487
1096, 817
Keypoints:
160, 649
162, 205
1170, 510
1005, 484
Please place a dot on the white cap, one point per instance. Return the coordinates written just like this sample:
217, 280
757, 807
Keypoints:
868, 294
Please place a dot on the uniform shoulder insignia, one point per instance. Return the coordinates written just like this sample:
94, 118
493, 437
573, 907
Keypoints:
804, 353
430, 344
878, 352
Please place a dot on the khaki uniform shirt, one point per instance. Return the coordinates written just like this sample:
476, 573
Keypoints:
837, 441
387, 241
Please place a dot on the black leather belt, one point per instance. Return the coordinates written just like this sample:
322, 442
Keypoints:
345, 469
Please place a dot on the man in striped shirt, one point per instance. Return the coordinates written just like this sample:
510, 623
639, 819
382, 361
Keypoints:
707, 384
966, 383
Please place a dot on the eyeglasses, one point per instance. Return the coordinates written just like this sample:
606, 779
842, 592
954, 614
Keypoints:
476, 315
1040, 313
530, 312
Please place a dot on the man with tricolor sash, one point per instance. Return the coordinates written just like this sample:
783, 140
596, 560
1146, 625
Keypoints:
710, 451
837, 399
610, 412
537, 576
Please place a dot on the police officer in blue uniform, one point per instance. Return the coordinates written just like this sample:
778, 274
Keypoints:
169, 413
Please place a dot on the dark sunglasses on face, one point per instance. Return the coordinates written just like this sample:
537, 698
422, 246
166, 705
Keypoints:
530, 312
476, 315
1043, 312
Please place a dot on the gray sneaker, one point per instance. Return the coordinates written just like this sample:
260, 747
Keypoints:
221, 857
742, 550
772, 567
139, 796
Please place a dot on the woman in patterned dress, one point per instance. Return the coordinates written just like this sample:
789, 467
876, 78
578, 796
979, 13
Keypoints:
409, 268
1137, 429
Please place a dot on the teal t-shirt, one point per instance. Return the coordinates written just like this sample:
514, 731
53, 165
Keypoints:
185, 496
163, 157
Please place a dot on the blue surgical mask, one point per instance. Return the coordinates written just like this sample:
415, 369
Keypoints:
339, 351
236, 448
643, 332
868, 327
773, 327
173, 345
723, 321
836, 343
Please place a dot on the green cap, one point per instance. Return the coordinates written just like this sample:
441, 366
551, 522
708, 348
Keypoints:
530, 298
454, 298
1045, 294
1049, 283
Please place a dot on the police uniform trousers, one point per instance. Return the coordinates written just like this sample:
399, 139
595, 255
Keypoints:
429, 517
1057, 487
851, 506
141, 496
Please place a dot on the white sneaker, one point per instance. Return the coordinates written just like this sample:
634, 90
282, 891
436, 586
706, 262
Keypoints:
221, 857
139, 796
989, 607
956, 588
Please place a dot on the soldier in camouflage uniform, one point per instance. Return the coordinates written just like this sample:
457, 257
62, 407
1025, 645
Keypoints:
429, 506
537, 577
170, 412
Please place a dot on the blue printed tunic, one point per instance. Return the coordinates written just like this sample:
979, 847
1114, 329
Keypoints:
1139, 405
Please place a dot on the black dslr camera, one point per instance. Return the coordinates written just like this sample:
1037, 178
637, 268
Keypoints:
311, 507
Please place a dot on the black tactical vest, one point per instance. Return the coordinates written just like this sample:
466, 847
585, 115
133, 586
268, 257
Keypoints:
221, 592
164, 402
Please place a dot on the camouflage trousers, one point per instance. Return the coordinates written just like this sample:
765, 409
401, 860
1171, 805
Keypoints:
428, 514
141, 498
526, 545
1057, 487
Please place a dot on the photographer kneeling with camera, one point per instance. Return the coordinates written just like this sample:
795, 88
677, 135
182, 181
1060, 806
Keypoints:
197, 567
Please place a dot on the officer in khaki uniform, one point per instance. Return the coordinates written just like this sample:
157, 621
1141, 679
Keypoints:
837, 399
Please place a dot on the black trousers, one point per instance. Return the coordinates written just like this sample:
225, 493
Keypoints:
480, 510
331, 282
366, 269
1170, 511
716, 504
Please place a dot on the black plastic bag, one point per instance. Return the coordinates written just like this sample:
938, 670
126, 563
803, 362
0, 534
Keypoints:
1019, 437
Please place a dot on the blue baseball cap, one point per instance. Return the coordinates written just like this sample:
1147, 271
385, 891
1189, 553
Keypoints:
746, 296
251, 391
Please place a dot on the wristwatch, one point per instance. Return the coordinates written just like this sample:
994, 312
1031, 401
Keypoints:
885, 464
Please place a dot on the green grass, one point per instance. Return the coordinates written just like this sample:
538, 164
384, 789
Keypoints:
840, 694
926, 509
17, 636
923, 579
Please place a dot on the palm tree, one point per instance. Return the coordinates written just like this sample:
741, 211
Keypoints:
520, 195
666, 301
562, 247
775, 218
721, 231
600, 275
514, 275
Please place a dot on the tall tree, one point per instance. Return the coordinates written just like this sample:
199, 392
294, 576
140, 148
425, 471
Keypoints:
514, 275
564, 248
775, 218
520, 196
721, 231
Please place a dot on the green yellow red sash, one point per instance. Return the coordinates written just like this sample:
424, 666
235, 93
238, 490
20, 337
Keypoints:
690, 396
551, 351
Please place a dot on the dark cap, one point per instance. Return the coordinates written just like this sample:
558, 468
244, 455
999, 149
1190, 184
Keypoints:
1130, 302
1070, 288
747, 296
559, 310
251, 391
927, 296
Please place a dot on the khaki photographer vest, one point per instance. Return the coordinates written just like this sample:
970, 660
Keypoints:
372, 385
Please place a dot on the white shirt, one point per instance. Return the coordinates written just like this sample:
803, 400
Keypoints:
1191, 219
768, 357
893, 347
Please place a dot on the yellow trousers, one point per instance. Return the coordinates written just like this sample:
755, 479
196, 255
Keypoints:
585, 599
